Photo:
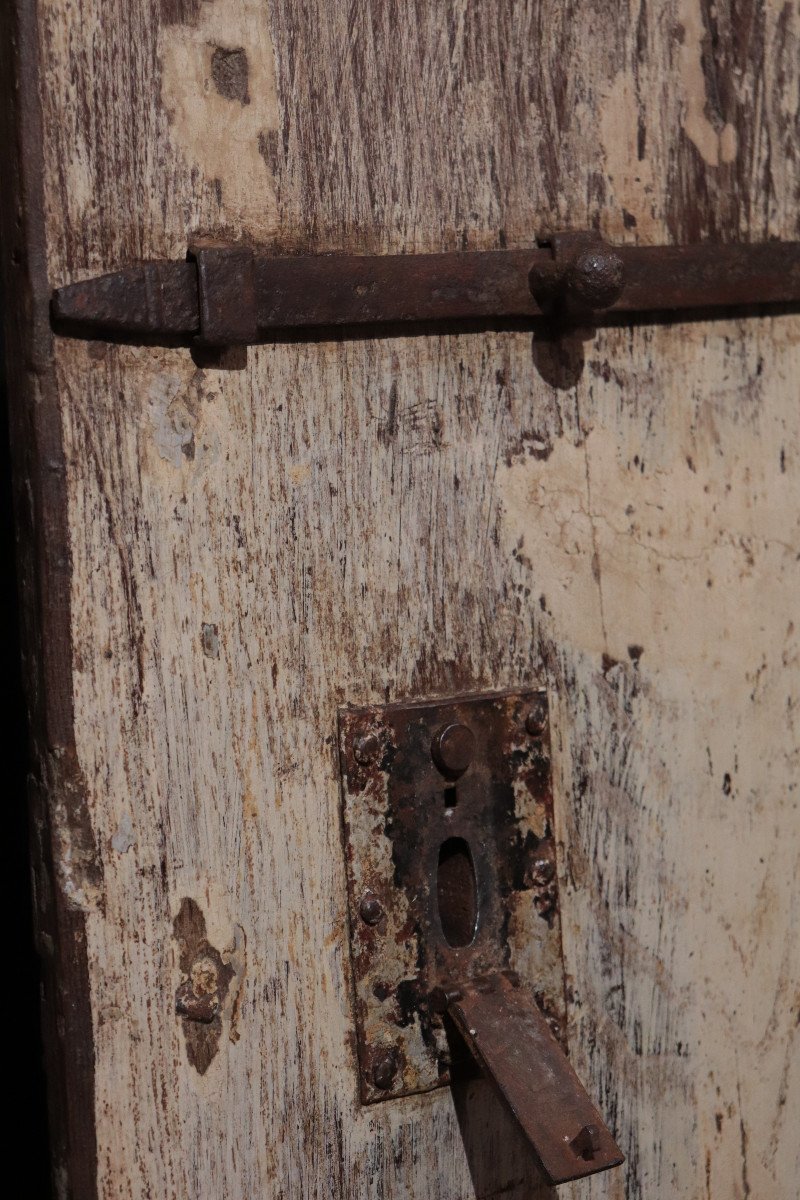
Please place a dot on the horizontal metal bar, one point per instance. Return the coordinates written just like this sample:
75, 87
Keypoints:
350, 289
709, 275
575, 275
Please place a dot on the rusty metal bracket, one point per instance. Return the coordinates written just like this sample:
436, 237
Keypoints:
231, 295
454, 915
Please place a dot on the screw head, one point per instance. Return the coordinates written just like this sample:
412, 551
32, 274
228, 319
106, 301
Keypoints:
554, 1025
384, 1069
543, 870
453, 748
595, 279
536, 720
370, 909
441, 997
366, 749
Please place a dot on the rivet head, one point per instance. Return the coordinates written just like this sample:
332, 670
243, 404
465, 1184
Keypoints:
586, 1142
384, 1069
366, 749
536, 720
370, 909
453, 748
595, 278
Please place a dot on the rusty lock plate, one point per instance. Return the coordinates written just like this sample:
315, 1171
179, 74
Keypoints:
454, 915
403, 809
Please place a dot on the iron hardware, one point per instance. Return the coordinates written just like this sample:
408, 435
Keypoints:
514, 1045
231, 295
455, 924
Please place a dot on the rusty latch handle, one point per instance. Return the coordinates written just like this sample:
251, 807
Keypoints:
231, 295
515, 1048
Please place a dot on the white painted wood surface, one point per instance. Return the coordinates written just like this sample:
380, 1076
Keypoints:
361, 520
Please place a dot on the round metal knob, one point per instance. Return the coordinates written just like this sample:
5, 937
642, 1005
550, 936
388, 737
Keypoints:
595, 278
452, 749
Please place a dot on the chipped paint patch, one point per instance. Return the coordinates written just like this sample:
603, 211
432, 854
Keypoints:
123, 838
180, 420
629, 177
300, 473
218, 90
697, 554
717, 143
230, 70
209, 639
77, 862
172, 420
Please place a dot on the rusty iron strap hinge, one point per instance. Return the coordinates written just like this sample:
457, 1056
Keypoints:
230, 295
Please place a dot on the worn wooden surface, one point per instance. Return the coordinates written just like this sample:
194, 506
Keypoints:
365, 520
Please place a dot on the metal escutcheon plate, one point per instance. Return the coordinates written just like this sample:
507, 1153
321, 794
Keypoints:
420, 780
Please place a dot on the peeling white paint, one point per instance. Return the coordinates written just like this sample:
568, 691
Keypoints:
717, 146
629, 179
124, 837
221, 135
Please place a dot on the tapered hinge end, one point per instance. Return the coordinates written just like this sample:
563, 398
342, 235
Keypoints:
153, 299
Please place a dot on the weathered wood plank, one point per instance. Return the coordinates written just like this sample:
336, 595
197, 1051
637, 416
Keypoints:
359, 521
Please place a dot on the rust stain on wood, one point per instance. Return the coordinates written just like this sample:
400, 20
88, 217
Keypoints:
202, 992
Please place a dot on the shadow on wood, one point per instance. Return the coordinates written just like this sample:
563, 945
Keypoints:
499, 1157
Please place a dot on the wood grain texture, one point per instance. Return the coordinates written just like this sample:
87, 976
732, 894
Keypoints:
358, 521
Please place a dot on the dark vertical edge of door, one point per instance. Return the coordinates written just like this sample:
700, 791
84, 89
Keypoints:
43, 573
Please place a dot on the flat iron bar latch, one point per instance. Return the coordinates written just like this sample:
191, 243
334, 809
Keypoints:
513, 1044
232, 295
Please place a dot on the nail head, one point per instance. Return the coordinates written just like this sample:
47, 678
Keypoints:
370, 909
384, 1069
536, 720
365, 749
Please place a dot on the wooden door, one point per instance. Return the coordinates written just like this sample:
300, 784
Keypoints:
218, 552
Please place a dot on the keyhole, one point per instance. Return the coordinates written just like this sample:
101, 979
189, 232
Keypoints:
456, 892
